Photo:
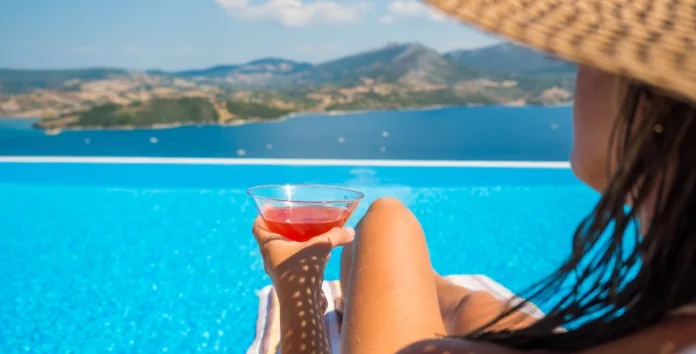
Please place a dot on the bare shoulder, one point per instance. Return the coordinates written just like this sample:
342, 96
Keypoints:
675, 336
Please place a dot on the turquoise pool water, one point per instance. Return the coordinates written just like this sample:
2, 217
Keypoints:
148, 258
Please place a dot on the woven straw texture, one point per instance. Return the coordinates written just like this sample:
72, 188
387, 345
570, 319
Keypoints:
653, 41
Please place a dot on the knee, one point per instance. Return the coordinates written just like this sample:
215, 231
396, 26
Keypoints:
388, 205
389, 214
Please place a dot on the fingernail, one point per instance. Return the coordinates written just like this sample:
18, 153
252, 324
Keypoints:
350, 231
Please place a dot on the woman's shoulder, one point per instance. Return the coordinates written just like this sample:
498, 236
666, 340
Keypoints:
674, 336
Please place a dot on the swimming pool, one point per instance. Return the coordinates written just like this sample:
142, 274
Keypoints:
146, 256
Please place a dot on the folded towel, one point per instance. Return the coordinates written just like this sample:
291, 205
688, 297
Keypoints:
268, 323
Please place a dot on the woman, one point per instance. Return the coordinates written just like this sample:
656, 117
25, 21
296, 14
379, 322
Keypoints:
635, 142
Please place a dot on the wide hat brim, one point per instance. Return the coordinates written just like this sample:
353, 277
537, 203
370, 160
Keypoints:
651, 41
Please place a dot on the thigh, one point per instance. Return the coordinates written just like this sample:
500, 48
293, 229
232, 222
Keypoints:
391, 291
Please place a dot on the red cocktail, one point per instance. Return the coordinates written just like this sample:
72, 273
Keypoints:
300, 212
304, 222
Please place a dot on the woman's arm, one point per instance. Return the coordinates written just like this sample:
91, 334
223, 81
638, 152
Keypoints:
302, 305
297, 271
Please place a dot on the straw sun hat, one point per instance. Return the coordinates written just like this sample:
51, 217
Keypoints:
652, 41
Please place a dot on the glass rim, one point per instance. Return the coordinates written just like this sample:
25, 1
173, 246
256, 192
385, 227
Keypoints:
360, 195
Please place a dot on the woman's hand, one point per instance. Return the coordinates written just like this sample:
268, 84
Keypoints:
297, 271
284, 258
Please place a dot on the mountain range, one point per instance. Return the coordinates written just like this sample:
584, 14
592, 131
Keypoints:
396, 75
394, 62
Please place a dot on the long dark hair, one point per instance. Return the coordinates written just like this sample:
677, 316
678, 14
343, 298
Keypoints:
623, 277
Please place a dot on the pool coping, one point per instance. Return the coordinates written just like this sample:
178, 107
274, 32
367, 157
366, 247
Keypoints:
285, 162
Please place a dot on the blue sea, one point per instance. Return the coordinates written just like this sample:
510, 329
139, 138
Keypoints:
457, 133
158, 257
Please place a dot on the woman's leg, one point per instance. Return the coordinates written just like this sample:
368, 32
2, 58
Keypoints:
388, 282
393, 234
391, 211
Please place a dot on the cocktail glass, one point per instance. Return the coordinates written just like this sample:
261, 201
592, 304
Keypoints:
303, 211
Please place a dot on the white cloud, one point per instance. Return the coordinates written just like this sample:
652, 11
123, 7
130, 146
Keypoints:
295, 13
402, 9
130, 49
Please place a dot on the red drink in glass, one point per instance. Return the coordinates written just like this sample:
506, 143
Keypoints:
304, 222
302, 211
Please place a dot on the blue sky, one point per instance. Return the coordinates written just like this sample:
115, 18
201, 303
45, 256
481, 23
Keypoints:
177, 34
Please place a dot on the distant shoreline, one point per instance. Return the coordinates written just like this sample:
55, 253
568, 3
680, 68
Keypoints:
54, 131
144, 127
242, 121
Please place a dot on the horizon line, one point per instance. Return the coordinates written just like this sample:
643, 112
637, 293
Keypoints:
209, 66
286, 162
